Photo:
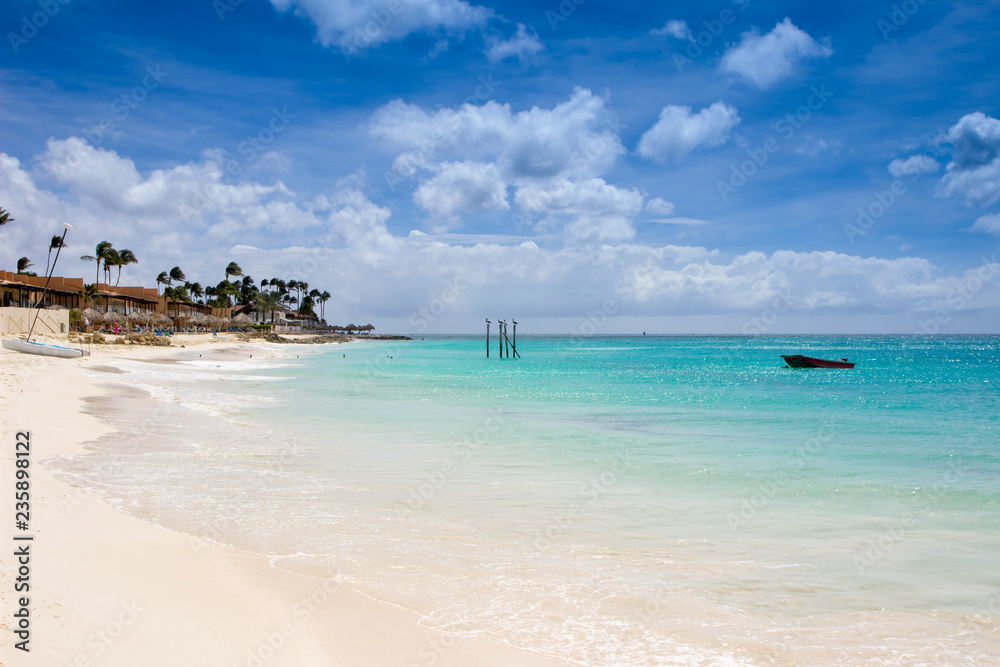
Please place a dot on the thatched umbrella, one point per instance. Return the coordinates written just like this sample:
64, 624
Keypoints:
162, 320
183, 319
350, 327
56, 306
139, 316
242, 319
92, 315
368, 327
113, 316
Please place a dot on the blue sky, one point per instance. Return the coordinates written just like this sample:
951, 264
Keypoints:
731, 167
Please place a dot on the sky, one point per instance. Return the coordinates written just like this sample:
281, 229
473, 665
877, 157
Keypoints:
583, 166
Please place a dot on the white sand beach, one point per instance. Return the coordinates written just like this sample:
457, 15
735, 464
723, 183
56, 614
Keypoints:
108, 589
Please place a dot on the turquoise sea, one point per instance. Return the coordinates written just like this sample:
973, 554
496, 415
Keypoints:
620, 500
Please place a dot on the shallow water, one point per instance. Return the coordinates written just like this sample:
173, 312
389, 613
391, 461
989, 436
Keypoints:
609, 501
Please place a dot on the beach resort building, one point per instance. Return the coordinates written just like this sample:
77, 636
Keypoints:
20, 292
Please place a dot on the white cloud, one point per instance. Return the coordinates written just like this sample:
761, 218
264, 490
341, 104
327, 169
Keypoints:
592, 210
975, 168
976, 138
522, 45
439, 47
553, 158
988, 224
813, 147
913, 166
658, 206
461, 187
678, 131
343, 241
678, 29
185, 191
691, 222
767, 59
355, 25
574, 137
349, 249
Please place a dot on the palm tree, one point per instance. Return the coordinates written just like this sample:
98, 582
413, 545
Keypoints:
23, 264
111, 258
266, 302
5, 217
323, 298
162, 279
125, 257
222, 292
195, 289
179, 293
56, 242
306, 306
88, 293
176, 274
233, 270
247, 291
100, 253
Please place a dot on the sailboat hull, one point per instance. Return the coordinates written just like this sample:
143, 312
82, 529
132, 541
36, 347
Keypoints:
43, 349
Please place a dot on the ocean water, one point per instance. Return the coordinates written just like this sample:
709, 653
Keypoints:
607, 500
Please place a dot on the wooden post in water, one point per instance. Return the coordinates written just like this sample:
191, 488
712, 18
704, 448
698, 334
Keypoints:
507, 347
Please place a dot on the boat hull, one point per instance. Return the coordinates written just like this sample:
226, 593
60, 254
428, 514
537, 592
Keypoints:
43, 349
800, 361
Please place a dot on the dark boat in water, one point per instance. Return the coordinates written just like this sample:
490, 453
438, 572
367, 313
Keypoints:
799, 361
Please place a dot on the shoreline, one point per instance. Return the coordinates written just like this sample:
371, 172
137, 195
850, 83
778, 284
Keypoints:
111, 589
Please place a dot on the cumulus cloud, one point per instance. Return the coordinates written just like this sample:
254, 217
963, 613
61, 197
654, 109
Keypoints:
914, 166
186, 191
677, 29
462, 187
596, 211
522, 45
988, 224
679, 131
349, 249
574, 137
355, 25
658, 206
976, 138
552, 158
767, 59
974, 171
